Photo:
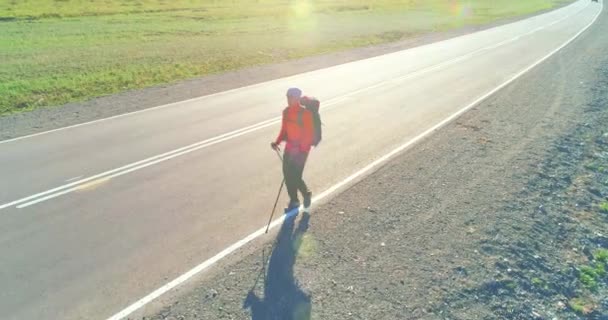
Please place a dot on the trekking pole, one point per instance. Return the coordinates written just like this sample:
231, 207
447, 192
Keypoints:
275, 205
278, 196
279, 155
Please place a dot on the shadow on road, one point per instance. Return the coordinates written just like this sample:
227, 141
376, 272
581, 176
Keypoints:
283, 299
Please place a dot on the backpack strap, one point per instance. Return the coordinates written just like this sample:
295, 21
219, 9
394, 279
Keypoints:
300, 117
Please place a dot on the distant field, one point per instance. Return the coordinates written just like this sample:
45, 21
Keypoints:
54, 52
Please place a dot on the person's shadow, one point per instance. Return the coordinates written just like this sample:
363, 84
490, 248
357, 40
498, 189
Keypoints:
283, 298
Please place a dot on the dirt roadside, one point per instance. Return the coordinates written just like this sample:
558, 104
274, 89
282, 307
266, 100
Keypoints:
495, 216
49, 118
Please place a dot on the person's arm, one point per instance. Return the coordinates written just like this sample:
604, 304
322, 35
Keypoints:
283, 133
308, 133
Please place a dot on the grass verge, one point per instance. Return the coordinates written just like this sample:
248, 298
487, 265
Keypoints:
58, 51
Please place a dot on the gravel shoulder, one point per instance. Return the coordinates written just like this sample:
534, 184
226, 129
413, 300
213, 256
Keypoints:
49, 118
495, 216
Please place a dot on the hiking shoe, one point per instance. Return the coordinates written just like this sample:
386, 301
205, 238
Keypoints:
307, 200
292, 205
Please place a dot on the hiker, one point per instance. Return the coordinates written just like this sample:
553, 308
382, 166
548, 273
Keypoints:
300, 130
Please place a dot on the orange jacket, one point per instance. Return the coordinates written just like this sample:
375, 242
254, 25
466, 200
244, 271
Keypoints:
297, 129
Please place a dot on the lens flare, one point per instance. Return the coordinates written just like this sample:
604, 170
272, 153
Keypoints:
302, 8
460, 9
305, 246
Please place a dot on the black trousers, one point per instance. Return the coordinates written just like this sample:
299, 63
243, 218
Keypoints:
293, 168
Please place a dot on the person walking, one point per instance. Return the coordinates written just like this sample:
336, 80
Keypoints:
298, 133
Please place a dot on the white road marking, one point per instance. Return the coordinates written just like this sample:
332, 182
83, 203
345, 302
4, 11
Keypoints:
65, 189
59, 191
72, 179
207, 263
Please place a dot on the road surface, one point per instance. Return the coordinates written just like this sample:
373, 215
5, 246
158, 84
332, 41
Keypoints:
94, 217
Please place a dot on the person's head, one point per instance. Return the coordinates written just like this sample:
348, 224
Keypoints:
293, 96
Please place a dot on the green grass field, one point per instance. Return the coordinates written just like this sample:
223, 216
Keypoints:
57, 51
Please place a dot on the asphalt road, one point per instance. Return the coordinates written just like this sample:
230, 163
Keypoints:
94, 217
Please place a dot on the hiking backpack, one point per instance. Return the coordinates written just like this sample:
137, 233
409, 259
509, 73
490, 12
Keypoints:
312, 105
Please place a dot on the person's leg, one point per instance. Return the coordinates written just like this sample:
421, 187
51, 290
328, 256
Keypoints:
291, 182
300, 163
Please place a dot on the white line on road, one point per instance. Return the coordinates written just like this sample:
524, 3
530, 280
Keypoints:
367, 169
59, 191
70, 187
